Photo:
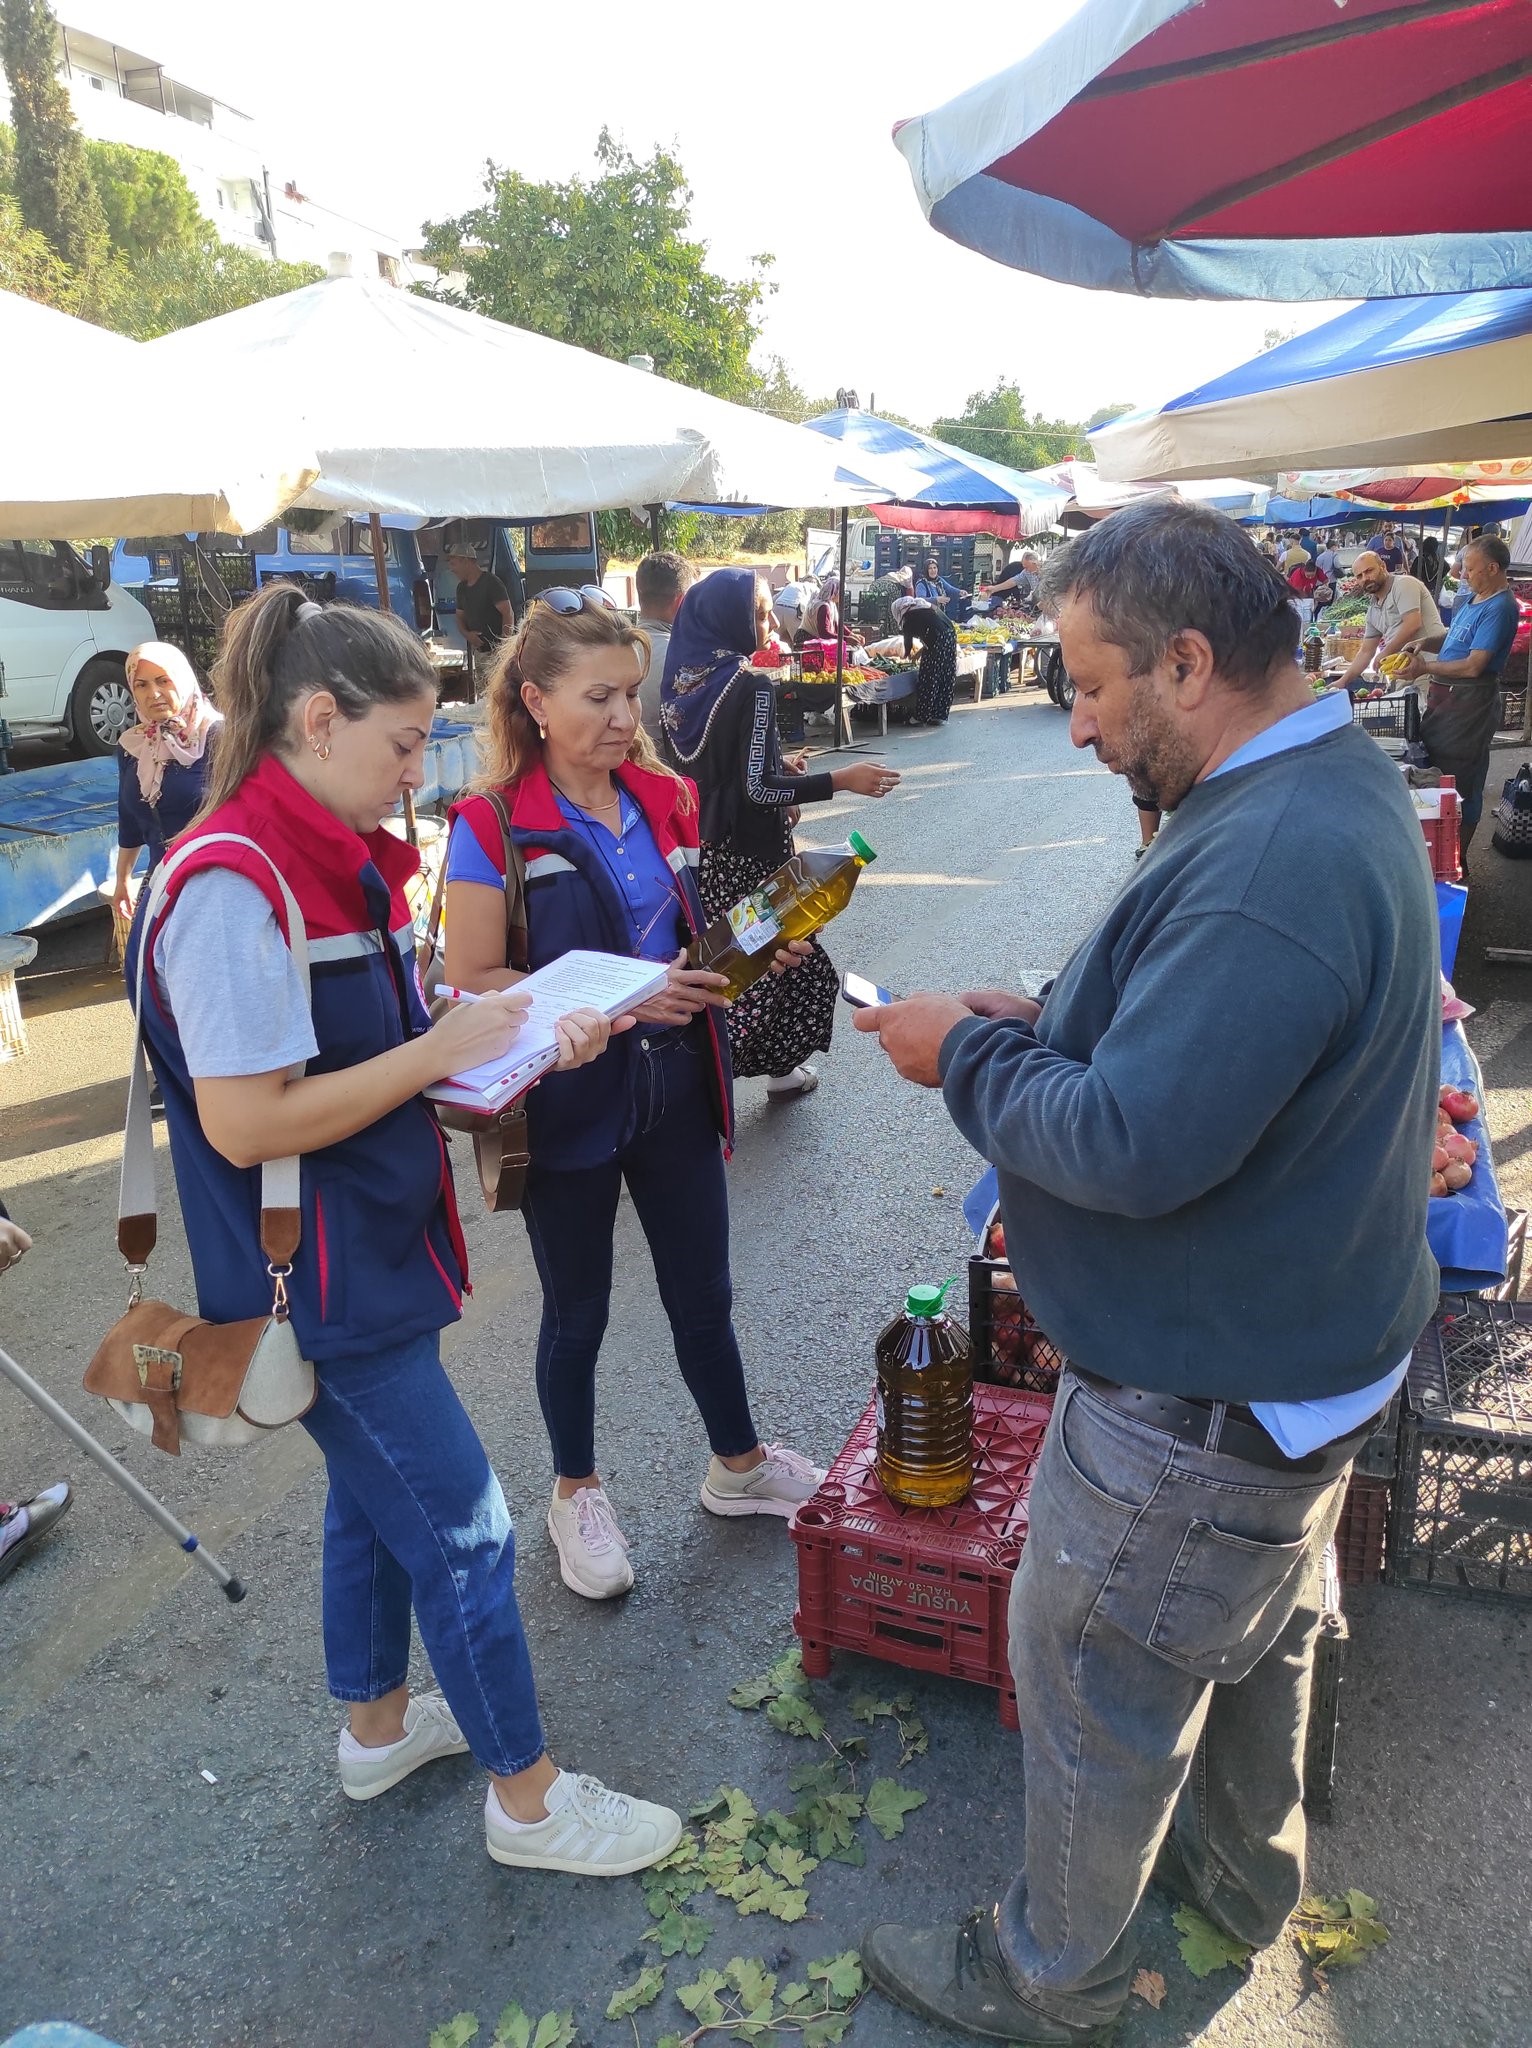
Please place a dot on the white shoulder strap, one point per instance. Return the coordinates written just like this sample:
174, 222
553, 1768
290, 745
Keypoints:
138, 1200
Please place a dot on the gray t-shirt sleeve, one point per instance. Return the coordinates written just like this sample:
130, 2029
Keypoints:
226, 973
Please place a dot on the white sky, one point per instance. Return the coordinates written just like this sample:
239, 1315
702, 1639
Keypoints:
781, 119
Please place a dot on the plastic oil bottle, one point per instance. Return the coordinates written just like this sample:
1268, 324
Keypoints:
925, 1404
801, 897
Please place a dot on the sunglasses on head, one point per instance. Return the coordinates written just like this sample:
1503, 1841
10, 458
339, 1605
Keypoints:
562, 599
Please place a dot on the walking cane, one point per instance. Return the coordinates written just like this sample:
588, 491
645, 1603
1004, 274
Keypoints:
233, 1588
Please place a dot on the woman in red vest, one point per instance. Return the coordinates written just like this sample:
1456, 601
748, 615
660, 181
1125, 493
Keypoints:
327, 714
608, 838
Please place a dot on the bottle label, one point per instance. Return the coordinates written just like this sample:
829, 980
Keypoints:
753, 924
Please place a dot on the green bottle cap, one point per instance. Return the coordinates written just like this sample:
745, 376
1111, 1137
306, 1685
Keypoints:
927, 1300
859, 846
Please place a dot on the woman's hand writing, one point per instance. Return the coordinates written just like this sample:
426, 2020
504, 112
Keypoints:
687, 991
471, 1033
866, 778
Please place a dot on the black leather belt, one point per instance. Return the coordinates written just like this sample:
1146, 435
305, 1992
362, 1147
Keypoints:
1230, 1429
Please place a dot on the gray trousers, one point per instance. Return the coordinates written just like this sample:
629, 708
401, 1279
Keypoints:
1162, 1630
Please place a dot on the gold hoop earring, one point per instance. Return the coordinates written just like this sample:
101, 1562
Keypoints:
542, 732
323, 752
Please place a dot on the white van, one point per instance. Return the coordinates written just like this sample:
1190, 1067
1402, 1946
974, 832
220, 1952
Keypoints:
64, 633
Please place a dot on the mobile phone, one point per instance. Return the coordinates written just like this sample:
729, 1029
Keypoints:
861, 993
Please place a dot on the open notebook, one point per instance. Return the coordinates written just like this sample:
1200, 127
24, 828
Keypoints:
608, 982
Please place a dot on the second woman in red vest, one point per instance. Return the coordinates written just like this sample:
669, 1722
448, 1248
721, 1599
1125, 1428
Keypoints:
608, 836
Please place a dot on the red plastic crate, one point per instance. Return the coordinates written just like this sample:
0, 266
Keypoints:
1443, 835
1362, 1532
926, 1588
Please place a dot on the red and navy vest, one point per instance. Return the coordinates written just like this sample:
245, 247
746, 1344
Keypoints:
381, 1258
587, 1116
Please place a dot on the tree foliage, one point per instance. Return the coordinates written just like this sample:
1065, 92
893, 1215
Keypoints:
997, 424
171, 288
608, 264
53, 183
148, 204
28, 265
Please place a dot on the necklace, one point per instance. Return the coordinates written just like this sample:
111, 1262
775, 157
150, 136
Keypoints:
614, 804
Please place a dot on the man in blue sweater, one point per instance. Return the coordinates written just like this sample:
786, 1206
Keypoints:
1213, 1138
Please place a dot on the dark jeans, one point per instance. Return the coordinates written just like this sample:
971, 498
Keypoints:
674, 1171
1162, 1634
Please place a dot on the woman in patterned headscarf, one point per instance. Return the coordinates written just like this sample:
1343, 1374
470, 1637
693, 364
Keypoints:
162, 771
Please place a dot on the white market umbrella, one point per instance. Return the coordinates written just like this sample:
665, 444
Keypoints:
1393, 384
427, 411
97, 447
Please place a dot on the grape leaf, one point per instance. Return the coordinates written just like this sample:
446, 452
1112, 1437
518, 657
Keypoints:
1149, 1985
644, 1990
701, 1999
854, 1854
708, 1809
865, 1708
791, 1865
888, 1802
795, 1714
1203, 1948
787, 1673
779, 1827
554, 2030
827, 2029
752, 1692
841, 1975
788, 1905
794, 1995
737, 1822
752, 1980
817, 1778
456, 2032
668, 2041
677, 1931
1338, 1930
513, 2029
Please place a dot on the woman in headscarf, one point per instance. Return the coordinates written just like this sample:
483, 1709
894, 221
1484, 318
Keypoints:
721, 720
162, 768
822, 620
938, 658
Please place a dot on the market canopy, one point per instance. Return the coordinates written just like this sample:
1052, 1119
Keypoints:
1309, 511
91, 463
942, 489
1319, 149
423, 409
1090, 498
1424, 489
1390, 385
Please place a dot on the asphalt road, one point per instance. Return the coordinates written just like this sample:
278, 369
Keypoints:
262, 1911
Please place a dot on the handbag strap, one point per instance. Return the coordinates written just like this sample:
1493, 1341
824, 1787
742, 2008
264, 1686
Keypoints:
138, 1198
515, 894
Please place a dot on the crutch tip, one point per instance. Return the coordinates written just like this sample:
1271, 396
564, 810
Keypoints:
234, 1591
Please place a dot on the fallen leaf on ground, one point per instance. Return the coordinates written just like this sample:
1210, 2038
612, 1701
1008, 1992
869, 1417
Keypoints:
1149, 1985
1203, 1948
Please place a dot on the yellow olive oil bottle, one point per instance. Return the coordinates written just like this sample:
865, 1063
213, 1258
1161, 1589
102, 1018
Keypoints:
798, 900
925, 1404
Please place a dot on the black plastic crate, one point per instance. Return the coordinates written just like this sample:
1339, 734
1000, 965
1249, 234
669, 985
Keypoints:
1361, 1534
1515, 1252
1379, 1456
1461, 1519
1009, 1350
1394, 717
1324, 1697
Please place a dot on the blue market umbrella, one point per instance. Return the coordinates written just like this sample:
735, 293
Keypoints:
944, 489
1240, 149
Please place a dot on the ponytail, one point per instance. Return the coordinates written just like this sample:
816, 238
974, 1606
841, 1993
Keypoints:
279, 648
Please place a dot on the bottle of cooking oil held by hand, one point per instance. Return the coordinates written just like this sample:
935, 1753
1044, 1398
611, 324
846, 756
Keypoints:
803, 895
925, 1404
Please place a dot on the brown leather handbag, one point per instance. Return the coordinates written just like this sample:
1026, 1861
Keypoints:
500, 1144
176, 1376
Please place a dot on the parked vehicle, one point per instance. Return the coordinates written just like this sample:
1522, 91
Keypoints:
528, 555
65, 630
874, 551
336, 558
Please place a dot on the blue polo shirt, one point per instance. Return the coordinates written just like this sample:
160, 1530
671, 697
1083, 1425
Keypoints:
631, 857
1489, 622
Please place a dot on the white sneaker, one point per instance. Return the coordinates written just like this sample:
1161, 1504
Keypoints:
593, 1552
779, 1485
801, 1081
429, 1732
589, 1830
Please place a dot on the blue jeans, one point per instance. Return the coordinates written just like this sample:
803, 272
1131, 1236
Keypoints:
416, 1519
1162, 1633
674, 1171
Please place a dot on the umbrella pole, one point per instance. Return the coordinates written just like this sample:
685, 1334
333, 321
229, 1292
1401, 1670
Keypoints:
654, 528
385, 604
841, 713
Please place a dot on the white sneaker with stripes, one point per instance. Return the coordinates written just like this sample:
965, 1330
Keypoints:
589, 1830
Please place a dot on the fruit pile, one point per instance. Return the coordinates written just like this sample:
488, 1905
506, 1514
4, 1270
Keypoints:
1019, 1353
1452, 1162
